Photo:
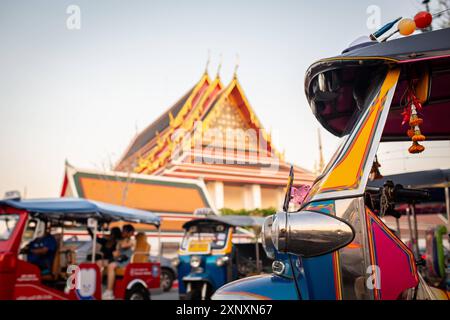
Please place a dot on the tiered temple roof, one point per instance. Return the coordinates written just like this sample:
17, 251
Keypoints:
173, 144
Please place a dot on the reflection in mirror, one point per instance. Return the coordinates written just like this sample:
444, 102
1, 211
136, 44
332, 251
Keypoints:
266, 237
322, 84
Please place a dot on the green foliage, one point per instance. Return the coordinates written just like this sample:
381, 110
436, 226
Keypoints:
253, 212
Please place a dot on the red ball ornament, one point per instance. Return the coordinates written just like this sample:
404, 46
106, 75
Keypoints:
423, 19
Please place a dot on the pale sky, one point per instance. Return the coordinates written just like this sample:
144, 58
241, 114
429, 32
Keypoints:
82, 94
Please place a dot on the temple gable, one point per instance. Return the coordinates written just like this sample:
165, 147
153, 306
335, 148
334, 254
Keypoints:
213, 134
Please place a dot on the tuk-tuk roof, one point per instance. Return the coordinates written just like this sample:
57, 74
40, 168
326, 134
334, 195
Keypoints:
437, 178
349, 76
419, 46
231, 220
77, 209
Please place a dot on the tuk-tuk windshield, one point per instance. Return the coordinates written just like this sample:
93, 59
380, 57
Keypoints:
7, 224
216, 235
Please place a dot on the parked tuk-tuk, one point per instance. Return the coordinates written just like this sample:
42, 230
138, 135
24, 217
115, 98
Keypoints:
336, 243
210, 257
24, 220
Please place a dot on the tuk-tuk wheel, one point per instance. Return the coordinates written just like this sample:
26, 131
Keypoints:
194, 295
137, 292
167, 278
196, 291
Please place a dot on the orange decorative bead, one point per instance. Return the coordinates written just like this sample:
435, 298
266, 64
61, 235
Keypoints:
410, 133
415, 122
418, 137
416, 148
406, 27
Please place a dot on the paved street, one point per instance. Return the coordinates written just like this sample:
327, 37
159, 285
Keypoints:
171, 295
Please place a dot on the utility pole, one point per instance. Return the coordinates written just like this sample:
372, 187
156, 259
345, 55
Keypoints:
426, 3
321, 164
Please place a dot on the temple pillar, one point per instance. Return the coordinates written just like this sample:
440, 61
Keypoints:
256, 195
252, 196
219, 194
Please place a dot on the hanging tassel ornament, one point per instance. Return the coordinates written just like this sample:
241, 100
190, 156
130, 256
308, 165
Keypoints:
411, 111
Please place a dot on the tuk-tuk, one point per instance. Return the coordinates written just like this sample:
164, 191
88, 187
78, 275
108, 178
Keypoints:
337, 245
210, 257
24, 220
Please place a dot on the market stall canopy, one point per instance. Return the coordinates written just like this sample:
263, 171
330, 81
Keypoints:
77, 209
340, 88
231, 220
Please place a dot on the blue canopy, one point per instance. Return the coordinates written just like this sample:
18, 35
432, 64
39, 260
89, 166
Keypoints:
77, 209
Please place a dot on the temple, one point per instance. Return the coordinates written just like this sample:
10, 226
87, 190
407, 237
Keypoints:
208, 151
213, 134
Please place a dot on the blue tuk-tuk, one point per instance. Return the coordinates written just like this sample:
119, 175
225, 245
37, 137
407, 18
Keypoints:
216, 250
337, 246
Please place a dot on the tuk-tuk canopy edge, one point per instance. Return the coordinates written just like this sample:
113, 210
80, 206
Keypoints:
232, 220
77, 209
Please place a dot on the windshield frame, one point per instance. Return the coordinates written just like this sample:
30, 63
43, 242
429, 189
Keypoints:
184, 245
315, 193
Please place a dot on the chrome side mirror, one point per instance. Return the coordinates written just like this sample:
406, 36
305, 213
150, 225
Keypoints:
310, 234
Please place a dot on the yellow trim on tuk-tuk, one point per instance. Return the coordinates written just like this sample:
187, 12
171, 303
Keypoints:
347, 173
356, 58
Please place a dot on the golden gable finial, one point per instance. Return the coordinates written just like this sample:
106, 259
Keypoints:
171, 119
159, 140
219, 67
236, 66
141, 165
208, 61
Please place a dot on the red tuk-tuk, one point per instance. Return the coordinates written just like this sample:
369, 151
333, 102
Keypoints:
24, 220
